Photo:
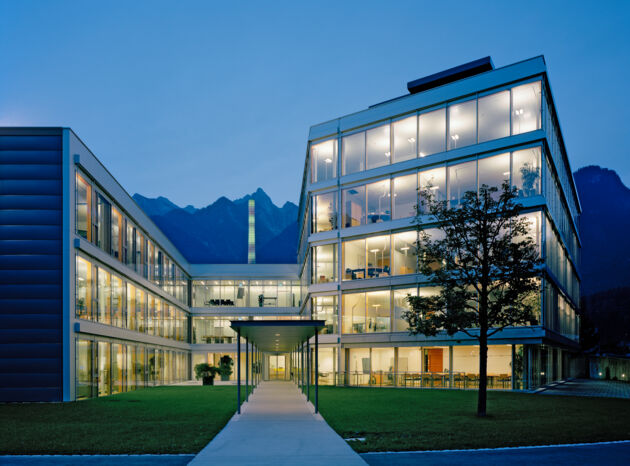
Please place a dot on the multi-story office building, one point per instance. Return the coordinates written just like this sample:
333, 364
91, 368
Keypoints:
95, 300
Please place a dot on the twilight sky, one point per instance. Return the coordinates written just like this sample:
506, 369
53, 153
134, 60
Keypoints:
197, 99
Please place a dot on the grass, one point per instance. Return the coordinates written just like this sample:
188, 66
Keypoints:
151, 420
412, 419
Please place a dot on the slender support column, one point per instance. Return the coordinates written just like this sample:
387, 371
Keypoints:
238, 369
246, 368
316, 372
513, 378
308, 368
451, 380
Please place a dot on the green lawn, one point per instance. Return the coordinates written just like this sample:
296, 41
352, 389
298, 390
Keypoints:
408, 419
152, 420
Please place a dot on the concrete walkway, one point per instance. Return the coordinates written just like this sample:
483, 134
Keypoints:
277, 427
588, 387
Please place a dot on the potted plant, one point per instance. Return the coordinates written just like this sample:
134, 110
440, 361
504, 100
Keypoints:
261, 300
225, 367
530, 176
206, 373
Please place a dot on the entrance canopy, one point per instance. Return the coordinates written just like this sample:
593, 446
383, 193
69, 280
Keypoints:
277, 336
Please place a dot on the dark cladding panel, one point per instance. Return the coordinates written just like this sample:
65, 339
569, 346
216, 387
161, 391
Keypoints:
31, 266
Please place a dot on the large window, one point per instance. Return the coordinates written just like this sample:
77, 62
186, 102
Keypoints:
102, 233
353, 153
378, 149
324, 160
405, 143
404, 255
401, 305
461, 179
366, 312
432, 132
378, 257
378, 202
117, 234
104, 296
83, 203
84, 289
353, 206
405, 195
324, 263
324, 212
84, 380
526, 173
494, 116
378, 312
494, 171
354, 259
435, 181
526, 108
353, 313
325, 308
462, 124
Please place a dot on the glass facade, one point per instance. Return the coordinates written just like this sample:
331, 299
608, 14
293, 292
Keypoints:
107, 367
101, 222
246, 293
104, 297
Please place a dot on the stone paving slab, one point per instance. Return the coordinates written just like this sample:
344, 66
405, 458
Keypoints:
588, 387
277, 427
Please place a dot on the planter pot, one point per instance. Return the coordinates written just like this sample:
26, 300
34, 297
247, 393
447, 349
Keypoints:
225, 378
208, 381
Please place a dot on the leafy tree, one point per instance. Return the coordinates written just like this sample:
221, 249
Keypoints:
486, 265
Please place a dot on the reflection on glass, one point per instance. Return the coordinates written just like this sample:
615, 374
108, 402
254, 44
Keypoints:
401, 305
324, 160
494, 116
526, 171
104, 368
103, 295
84, 289
324, 212
432, 132
526, 108
378, 264
324, 263
405, 196
83, 202
325, 308
353, 313
405, 139
435, 181
354, 259
378, 202
353, 153
378, 148
461, 179
353, 206
84, 369
462, 124
405, 258
494, 171
378, 312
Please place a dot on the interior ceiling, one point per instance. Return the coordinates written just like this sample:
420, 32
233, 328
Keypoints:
279, 336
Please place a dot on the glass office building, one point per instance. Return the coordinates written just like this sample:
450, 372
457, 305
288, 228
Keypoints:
95, 300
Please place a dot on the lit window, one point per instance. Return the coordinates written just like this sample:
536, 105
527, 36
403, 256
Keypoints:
324, 160
405, 196
526, 171
461, 179
378, 202
353, 153
526, 108
432, 132
378, 147
353, 206
462, 124
494, 116
405, 139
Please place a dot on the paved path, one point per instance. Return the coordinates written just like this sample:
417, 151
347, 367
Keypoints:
611, 454
277, 427
587, 387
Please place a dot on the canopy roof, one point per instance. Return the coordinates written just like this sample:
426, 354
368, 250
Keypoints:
277, 336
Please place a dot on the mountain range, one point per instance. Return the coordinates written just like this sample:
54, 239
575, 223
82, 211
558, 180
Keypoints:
218, 233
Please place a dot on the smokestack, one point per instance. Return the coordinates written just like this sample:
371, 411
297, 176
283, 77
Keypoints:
251, 239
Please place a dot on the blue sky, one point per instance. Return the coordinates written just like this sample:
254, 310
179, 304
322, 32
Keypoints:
194, 100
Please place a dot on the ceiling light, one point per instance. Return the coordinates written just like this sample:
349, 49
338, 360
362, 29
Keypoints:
406, 248
412, 140
455, 137
434, 188
387, 154
374, 250
328, 160
277, 334
506, 173
422, 154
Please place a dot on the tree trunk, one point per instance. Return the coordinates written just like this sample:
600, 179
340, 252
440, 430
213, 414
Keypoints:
483, 372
